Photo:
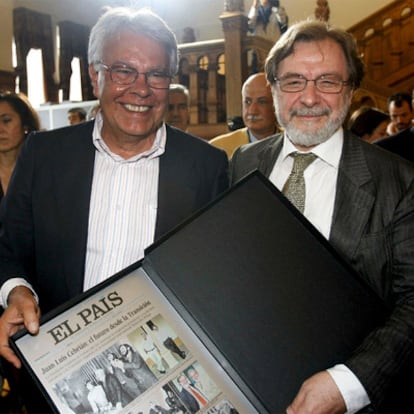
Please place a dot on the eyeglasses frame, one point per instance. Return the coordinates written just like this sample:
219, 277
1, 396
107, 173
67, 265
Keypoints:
110, 69
342, 83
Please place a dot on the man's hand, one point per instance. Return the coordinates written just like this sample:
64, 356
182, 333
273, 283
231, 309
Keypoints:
318, 395
22, 311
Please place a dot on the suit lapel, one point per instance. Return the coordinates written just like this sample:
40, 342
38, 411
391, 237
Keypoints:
73, 183
166, 193
354, 198
269, 154
173, 194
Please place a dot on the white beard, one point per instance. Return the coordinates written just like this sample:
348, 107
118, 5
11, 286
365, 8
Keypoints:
310, 139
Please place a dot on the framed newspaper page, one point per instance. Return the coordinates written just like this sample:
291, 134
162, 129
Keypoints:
122, 348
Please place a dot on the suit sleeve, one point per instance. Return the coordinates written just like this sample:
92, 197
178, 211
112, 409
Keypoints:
388, 351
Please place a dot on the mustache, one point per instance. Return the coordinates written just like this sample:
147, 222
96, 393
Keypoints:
310, 112
253, 118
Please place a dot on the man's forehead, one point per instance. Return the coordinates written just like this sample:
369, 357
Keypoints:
320, 51
256, 91
404, 106
177, 95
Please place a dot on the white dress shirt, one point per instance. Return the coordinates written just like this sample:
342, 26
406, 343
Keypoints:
123, 208
320, 190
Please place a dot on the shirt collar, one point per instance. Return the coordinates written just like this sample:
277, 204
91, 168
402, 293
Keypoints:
252, 138
156, 150
329, 151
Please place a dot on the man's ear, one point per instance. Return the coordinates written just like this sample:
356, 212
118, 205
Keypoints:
93, 74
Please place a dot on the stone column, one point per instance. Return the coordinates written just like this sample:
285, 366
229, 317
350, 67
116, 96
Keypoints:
235, 31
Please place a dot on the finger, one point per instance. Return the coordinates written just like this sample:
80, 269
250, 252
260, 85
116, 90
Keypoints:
5, 350
7, 353
29, 311
31, 321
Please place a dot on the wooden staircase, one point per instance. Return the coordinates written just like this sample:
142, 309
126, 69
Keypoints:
386, 42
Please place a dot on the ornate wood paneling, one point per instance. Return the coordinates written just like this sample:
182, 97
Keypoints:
386, 43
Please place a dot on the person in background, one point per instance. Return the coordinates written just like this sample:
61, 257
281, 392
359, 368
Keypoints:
358, 196
93, 110
267, 19
401, 143
400, 108
369, 123
258, 116
178, 114
91, 197
76, 116
17, 119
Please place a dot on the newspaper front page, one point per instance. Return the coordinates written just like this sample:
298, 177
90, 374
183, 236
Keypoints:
126, 350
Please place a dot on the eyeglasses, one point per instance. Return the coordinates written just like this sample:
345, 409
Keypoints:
323, 83
125, 75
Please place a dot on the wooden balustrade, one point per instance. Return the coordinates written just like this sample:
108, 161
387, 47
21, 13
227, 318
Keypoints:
386, 42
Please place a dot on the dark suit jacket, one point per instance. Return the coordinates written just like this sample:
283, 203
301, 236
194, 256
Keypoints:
401, 143
45, 213
373, 228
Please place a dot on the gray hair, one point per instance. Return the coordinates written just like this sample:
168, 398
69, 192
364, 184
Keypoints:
139, 21
177, 87
314, 31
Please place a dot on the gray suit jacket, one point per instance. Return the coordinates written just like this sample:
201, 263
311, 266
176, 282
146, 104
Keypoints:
373, 228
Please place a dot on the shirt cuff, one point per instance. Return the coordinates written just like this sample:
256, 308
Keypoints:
353, 392
9, 285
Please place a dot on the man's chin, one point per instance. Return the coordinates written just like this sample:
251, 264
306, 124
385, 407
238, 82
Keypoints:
306, 139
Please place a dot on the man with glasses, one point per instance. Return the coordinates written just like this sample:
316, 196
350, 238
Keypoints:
258, 116
359, 197
86, 200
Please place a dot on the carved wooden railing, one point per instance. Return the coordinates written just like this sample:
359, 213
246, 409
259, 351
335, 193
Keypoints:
386, 43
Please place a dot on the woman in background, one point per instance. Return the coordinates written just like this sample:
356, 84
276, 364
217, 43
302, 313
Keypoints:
370, 124
17, 119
